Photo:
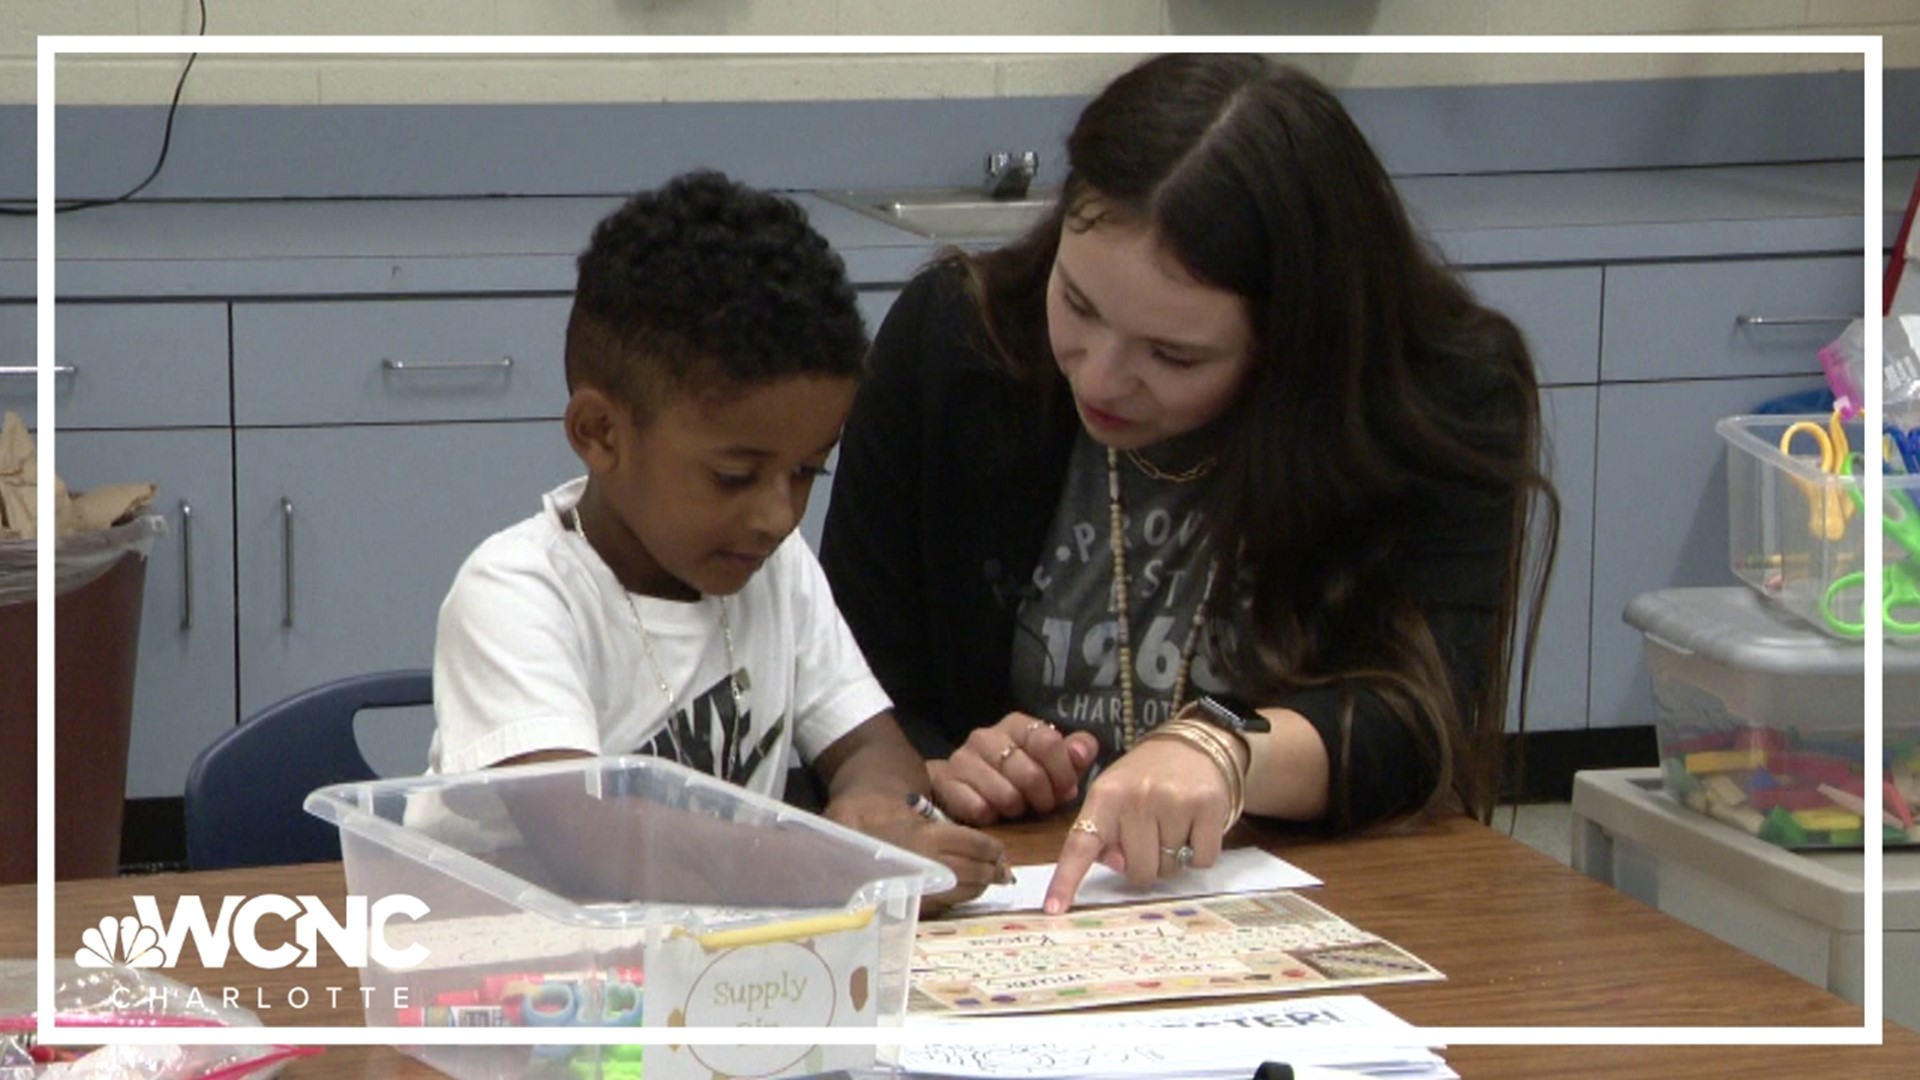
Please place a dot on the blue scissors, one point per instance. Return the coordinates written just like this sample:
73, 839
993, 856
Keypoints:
1827, 509
1900, 580
1906, 446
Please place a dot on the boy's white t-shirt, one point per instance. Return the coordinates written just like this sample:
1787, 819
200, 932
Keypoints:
538, 649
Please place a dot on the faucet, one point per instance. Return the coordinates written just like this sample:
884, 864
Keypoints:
1007, 175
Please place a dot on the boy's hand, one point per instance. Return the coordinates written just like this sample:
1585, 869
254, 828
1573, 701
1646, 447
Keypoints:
976, 859
1019, 766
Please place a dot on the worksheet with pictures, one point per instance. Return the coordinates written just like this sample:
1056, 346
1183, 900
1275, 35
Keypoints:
1218, 946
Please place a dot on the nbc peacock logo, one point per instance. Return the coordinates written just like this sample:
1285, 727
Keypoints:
123, 942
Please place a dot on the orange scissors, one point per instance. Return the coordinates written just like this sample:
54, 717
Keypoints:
1828, 508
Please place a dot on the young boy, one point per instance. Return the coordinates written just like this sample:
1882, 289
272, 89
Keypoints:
662, 604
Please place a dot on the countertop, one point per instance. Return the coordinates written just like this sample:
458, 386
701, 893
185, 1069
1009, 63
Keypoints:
291, 248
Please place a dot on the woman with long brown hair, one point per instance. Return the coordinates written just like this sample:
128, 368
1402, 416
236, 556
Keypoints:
1217, 478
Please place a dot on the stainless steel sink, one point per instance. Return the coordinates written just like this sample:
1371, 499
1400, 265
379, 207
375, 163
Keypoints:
950, 214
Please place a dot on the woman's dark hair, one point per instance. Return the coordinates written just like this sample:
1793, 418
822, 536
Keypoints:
1382, 397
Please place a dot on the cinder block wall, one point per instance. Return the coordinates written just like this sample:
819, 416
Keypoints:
234, 80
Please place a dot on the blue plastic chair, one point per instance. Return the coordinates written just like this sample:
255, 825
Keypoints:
245, 790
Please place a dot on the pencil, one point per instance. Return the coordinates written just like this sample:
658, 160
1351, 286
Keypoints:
928, 811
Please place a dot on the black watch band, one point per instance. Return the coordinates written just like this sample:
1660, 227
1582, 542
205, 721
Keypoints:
1229, 714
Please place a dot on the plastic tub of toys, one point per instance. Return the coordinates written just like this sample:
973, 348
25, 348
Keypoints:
1761, 721
622, 891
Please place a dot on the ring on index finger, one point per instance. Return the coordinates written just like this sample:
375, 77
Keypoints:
1000, 759
1182, 854
1086, 825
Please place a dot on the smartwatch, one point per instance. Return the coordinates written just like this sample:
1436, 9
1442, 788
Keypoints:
1229, 714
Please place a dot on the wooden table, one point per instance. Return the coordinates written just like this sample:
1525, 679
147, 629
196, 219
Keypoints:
1523, 941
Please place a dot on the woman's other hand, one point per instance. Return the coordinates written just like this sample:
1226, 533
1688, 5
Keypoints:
1019, 766
1159, 798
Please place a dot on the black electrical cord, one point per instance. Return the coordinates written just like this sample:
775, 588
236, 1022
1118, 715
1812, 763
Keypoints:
166, 141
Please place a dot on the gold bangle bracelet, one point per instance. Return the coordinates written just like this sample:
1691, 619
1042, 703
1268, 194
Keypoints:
1201, 737
1225, 742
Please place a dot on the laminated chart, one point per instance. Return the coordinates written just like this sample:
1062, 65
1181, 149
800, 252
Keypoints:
1217, 946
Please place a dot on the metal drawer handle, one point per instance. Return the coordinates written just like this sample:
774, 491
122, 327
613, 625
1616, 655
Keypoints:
29, 369
286, 519
186, 565
503, 364
1793, 320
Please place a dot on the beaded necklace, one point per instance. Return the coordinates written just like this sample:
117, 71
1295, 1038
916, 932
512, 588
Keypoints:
646, 648
1117, 531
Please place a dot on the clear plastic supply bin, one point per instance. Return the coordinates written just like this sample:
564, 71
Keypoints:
1761, 721
626, 891
1797, 530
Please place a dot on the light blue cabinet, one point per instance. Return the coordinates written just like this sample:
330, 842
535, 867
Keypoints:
1557, 700
372, 435
1726, 320
1558, 309
121, 365
184, 690
399, 361
16, 360
1660, 513
349, 536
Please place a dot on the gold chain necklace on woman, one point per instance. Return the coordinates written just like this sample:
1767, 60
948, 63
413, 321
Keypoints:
646, 648
1117, 530
1184, 476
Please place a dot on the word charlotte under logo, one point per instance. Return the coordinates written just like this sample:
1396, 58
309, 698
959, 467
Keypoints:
147, 939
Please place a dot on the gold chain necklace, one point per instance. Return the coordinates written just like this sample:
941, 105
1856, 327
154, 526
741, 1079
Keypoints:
1117, 531
653, 662
1184, 476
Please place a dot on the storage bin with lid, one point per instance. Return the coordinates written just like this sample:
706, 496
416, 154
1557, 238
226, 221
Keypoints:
1761, 720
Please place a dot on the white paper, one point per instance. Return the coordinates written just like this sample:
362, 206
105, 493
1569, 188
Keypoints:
1241, 870
1322, 1017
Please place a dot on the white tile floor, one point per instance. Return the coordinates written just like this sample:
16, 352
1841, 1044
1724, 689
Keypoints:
1543, 826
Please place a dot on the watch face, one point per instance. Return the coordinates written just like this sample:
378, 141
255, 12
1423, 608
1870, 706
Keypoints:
1234, 713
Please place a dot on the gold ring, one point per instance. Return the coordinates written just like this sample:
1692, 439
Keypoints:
1032, 726
1001, 761
1087, 826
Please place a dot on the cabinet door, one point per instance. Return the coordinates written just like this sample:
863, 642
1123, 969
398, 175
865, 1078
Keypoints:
350, 536
874, 304
1558, 309
1660, 516
1558, 700
17, 358
399, 361
122, 365
183, 694
1721, 320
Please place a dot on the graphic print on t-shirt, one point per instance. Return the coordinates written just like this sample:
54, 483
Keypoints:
690, 734
1065, 665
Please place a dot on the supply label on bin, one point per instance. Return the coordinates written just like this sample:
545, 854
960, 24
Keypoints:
812, 971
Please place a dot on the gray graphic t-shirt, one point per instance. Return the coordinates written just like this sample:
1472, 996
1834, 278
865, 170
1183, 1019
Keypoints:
1066, 646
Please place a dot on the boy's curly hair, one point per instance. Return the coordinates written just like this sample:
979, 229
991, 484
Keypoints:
704, 287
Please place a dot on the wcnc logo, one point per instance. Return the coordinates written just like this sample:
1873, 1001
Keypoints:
152, 942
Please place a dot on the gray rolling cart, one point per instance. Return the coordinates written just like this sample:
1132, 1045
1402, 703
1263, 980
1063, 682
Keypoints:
1723, 659
1801, 911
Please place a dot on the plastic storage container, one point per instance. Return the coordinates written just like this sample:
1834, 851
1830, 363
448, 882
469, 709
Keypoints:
623, 891
1797, 529
1761, 720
